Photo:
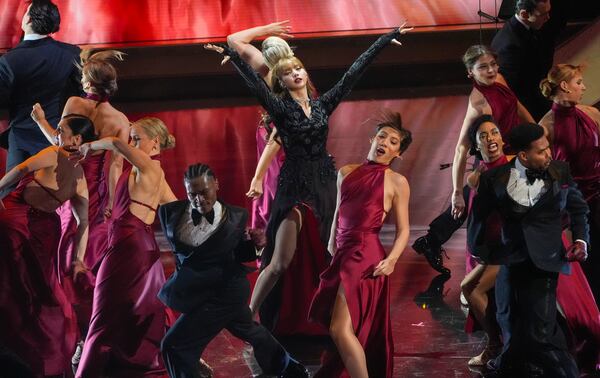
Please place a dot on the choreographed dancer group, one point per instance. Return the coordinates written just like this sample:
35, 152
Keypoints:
83, 288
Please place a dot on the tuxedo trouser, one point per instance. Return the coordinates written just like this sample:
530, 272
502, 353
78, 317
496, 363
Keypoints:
444, 226
537, 344
228, 309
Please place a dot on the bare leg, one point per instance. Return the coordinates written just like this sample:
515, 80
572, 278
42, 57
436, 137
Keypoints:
343, 336
475, 288
283, 253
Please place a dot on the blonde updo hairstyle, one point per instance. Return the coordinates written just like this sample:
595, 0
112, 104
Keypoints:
154, 127
274, 49
99, 72
557, 74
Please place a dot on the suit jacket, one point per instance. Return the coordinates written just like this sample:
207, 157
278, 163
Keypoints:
526, 232
525, 57
202, 270
41, 71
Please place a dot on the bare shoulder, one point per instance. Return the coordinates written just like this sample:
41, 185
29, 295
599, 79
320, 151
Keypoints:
78, 105
398, 181
346, 170
591, 111
477, 101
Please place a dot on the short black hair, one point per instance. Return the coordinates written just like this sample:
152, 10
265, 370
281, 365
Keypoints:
44, 16
81, 125
198, 170
394, 120
527, 5
472, 132
521, 137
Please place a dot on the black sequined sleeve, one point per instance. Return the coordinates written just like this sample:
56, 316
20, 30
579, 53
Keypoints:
332, 98
272, 104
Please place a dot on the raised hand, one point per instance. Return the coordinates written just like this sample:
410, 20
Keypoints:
216, 48
279, 29
37, 113
84, 151
402, 30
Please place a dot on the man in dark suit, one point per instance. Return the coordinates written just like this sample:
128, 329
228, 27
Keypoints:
525, 47
210, 287
527, 198
39, 69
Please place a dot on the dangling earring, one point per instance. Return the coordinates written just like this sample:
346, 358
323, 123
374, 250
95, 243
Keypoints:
567, 91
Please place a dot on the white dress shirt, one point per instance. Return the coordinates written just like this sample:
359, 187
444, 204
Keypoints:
520, 190
192, 235
33, 37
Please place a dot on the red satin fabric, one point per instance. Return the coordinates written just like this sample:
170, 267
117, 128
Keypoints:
503, 102
261, 206
575, 140
358, 252
80, 293
128, 320
38, 323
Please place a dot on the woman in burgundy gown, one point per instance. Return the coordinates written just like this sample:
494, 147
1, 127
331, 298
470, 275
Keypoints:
353, 296
573, 130
99, 81
305, 197
128, 320
487, 145
37, 320
490, 95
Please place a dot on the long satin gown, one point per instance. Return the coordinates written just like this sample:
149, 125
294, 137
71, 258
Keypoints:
37, 322
128, 320
576, 140
307, 181
80, 293
358, 253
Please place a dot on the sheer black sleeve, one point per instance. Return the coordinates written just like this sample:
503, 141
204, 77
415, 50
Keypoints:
272, 104
334, 96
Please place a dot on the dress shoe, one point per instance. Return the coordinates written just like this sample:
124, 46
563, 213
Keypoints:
489, 353
432, 252
294, 370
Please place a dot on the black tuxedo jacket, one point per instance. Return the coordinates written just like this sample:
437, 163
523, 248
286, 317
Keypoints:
525, 57
500, 231
202, 270
41, 71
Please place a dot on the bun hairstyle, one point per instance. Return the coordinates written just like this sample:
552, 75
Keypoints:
99, 72
81, 125
154, 127
275, 49
557, 74
475, 52
394, 120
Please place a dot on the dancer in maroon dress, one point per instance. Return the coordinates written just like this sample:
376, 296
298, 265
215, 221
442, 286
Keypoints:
490, 95
573, 130
100, 83
37, 320
128, 320
486, 144
353, 296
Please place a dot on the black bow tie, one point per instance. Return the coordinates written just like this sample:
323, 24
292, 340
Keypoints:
534, 174
197, 216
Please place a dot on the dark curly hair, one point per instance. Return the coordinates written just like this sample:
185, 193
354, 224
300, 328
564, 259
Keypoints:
44, 16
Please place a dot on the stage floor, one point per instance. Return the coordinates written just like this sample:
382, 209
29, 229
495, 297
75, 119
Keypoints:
427, 322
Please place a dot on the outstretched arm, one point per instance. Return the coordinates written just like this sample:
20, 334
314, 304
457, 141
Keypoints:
257, 85
240, 42
136, 157
334, 96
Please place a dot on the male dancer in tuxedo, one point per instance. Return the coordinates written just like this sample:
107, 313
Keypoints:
530, 195
39, 69
210, 287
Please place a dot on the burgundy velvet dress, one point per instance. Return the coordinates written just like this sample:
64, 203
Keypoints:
358, 253
261, 206
504, 106
80, 293
128, 320
38, 323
